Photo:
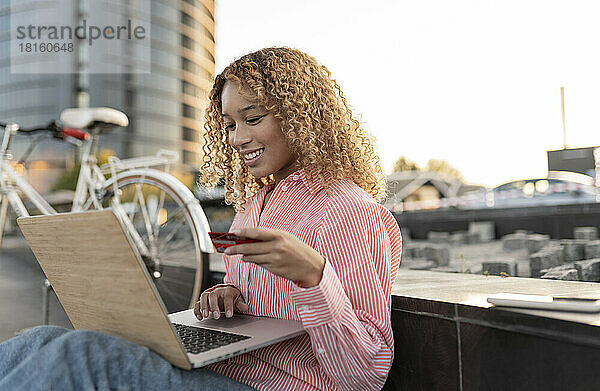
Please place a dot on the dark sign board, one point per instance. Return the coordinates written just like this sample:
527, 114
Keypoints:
579, 160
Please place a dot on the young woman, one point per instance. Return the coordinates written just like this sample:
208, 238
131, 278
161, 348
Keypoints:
304, 179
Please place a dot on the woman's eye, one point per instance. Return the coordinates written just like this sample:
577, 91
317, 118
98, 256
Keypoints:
229, 128
254, 120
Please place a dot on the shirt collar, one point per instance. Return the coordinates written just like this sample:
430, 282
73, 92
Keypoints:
302, 175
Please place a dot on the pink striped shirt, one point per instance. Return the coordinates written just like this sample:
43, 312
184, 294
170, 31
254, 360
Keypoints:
349, 343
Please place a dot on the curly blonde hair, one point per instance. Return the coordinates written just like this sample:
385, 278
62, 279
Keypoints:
317, 123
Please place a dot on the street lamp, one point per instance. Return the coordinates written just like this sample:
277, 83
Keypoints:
597, 176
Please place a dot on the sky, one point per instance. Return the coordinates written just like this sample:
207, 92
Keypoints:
475, 83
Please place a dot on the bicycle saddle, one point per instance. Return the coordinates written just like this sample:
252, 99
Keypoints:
84, 117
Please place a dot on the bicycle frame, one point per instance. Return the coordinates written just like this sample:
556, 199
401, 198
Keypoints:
9, 193
91, 179
95, 187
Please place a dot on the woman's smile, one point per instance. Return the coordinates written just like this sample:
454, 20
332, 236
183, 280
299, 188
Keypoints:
251, 158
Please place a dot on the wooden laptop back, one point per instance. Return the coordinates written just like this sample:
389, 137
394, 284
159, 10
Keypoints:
100, 280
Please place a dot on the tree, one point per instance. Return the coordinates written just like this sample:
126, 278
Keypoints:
443, 168
438, 166
404, 164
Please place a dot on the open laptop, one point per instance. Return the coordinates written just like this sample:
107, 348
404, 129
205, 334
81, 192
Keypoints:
103, 285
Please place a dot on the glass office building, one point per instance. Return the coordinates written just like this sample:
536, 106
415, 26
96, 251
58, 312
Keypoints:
164, 106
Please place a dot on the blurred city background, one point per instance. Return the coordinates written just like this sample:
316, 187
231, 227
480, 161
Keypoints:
477, 186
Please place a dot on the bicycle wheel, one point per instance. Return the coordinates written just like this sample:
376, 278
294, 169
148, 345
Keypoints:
170, 246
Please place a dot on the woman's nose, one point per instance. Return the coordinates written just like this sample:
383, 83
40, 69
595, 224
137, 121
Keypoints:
241, 136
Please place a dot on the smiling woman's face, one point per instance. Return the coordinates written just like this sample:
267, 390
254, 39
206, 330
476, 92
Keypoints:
256, 135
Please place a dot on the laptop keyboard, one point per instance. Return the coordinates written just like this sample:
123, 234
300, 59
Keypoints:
197, 340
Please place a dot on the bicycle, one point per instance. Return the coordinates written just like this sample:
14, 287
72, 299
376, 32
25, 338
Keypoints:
162, 216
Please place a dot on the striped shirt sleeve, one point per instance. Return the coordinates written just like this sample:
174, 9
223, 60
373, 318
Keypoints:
348, 314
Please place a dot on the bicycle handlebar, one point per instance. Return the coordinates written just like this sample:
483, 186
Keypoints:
53, 126
76, 133
56, 128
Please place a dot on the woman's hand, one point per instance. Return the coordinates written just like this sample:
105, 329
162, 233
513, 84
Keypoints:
223, 298
281, 253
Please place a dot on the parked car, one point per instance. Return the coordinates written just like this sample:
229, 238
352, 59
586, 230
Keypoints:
556, 189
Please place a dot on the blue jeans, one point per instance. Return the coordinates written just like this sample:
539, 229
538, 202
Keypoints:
54, 358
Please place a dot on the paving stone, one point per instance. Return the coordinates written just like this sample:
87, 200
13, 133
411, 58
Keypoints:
592, 249
495, 268
414, 250
546, 258
585, 233
473, 238
564, 272
484, 229
522, 232
574, 249
535, 242
565, 266
458, 238
21, 292
405, 234
515, 241
445, 269
420, 264
438, 237
438, 253
589, 270
407, 252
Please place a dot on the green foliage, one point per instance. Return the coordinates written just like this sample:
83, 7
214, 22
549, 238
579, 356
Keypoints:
438, 166
68, 179
443, 168
404, 164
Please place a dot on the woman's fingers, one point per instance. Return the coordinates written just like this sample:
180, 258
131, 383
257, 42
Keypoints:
204, 304
228, 303
241, 305
223, 298
252, 248
213, 303
198, 310
259, 233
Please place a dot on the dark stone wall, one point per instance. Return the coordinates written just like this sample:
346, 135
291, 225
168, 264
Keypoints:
446, 346
557, 221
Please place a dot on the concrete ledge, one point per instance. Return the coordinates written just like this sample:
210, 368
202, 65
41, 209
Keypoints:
447, 336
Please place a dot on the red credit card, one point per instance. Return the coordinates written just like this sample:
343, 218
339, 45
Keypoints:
222, 240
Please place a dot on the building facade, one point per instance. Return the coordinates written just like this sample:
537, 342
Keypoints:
164, 106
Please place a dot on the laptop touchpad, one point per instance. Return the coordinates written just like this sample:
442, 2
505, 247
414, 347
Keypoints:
229, 323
